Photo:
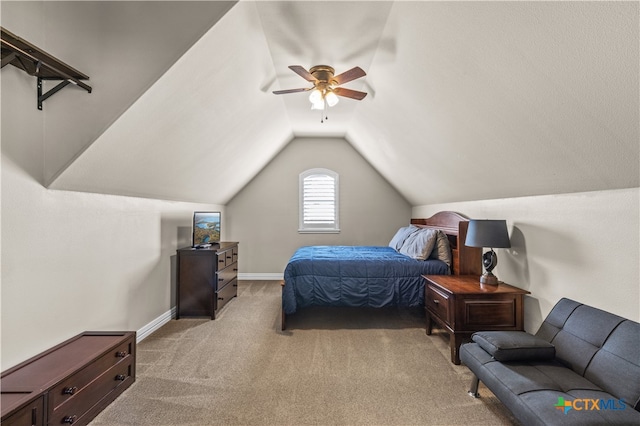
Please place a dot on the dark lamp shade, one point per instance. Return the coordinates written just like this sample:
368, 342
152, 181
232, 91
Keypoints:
487, 233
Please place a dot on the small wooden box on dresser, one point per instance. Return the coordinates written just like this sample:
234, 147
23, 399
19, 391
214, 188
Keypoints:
207, 279
71, 382
462, 306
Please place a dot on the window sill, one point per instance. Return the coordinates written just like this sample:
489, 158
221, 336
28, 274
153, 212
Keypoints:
318, 231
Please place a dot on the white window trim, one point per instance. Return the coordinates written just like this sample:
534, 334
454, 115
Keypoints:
333, 228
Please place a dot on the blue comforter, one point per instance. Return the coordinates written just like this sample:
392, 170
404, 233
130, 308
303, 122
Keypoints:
364, 276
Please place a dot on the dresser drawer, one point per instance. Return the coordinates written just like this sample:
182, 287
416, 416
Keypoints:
31, 414
234, 254
225, 294
224, 276
437, 302
222, 260
68, 388
496, 313
72, 410
78, 377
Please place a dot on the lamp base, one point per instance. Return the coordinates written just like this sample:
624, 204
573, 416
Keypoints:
488, 278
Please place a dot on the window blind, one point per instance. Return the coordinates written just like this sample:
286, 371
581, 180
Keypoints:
319, 201
319, 207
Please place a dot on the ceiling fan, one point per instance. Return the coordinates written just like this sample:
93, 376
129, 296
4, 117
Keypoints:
325, 90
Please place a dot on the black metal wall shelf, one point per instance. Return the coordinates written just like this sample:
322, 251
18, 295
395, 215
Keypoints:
34, 61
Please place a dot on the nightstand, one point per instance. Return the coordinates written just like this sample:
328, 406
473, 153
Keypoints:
462, 306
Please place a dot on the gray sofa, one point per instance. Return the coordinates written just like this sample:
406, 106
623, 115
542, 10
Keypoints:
581, 367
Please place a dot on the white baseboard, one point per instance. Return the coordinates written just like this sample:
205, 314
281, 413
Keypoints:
260, 276
154, 325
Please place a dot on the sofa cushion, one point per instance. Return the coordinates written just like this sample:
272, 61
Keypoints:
582, 335
616, 366
543, 407
556, 318
514, 345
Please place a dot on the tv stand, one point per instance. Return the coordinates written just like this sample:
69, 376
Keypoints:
207, 279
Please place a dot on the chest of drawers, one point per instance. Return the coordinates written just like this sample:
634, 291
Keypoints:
207, 279
462, 306
71, 382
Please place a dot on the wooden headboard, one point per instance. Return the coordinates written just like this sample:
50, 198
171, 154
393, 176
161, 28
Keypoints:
466, 260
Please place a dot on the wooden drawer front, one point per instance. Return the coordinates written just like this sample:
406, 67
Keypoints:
438, 303
72, 411
234, 254
225, 294
229, 257
489, 314
68, 388
225, 276
30, 414
222, 260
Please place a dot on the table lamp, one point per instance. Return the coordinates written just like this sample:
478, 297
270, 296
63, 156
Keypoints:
491, 234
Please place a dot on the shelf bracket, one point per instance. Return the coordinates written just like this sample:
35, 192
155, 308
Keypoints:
34, 61
43, 97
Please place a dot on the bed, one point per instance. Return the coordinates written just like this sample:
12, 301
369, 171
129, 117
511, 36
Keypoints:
379, 276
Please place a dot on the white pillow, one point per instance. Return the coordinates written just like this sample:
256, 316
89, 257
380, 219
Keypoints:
401, 235
419, 244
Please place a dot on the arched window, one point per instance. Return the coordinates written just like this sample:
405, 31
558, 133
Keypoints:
319, 201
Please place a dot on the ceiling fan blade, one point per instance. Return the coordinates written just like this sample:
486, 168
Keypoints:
347, 76
348, 93
282, 92
303, 73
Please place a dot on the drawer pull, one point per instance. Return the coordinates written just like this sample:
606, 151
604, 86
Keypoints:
437, 302
221, 261
220, 298
121, 377
228, 257
70, 390
70, 419
121, 354
220, 279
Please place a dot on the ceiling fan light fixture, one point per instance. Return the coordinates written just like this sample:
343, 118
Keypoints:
325, 90
315, 96
331, 98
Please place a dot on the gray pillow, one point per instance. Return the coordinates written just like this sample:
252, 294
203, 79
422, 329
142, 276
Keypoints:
442, 250
514, 346
401, 235
419, 244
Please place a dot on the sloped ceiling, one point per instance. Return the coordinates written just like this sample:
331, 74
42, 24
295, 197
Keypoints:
467, 101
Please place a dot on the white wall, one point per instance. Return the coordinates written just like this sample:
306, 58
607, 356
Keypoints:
264, 215
75, 261
584, 246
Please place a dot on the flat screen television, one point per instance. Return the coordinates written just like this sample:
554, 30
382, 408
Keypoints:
206, 228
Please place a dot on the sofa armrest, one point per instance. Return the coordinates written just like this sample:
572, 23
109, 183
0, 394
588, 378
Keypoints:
514, 346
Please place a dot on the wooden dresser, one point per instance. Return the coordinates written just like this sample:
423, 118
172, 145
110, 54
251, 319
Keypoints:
71, 382
462, 306
207, 279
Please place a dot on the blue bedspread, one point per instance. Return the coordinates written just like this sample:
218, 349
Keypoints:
364, 276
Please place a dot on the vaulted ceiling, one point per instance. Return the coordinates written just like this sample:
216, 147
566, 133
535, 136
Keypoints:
467, 100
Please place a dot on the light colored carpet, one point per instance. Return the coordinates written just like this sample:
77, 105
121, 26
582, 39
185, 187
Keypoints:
332, 366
